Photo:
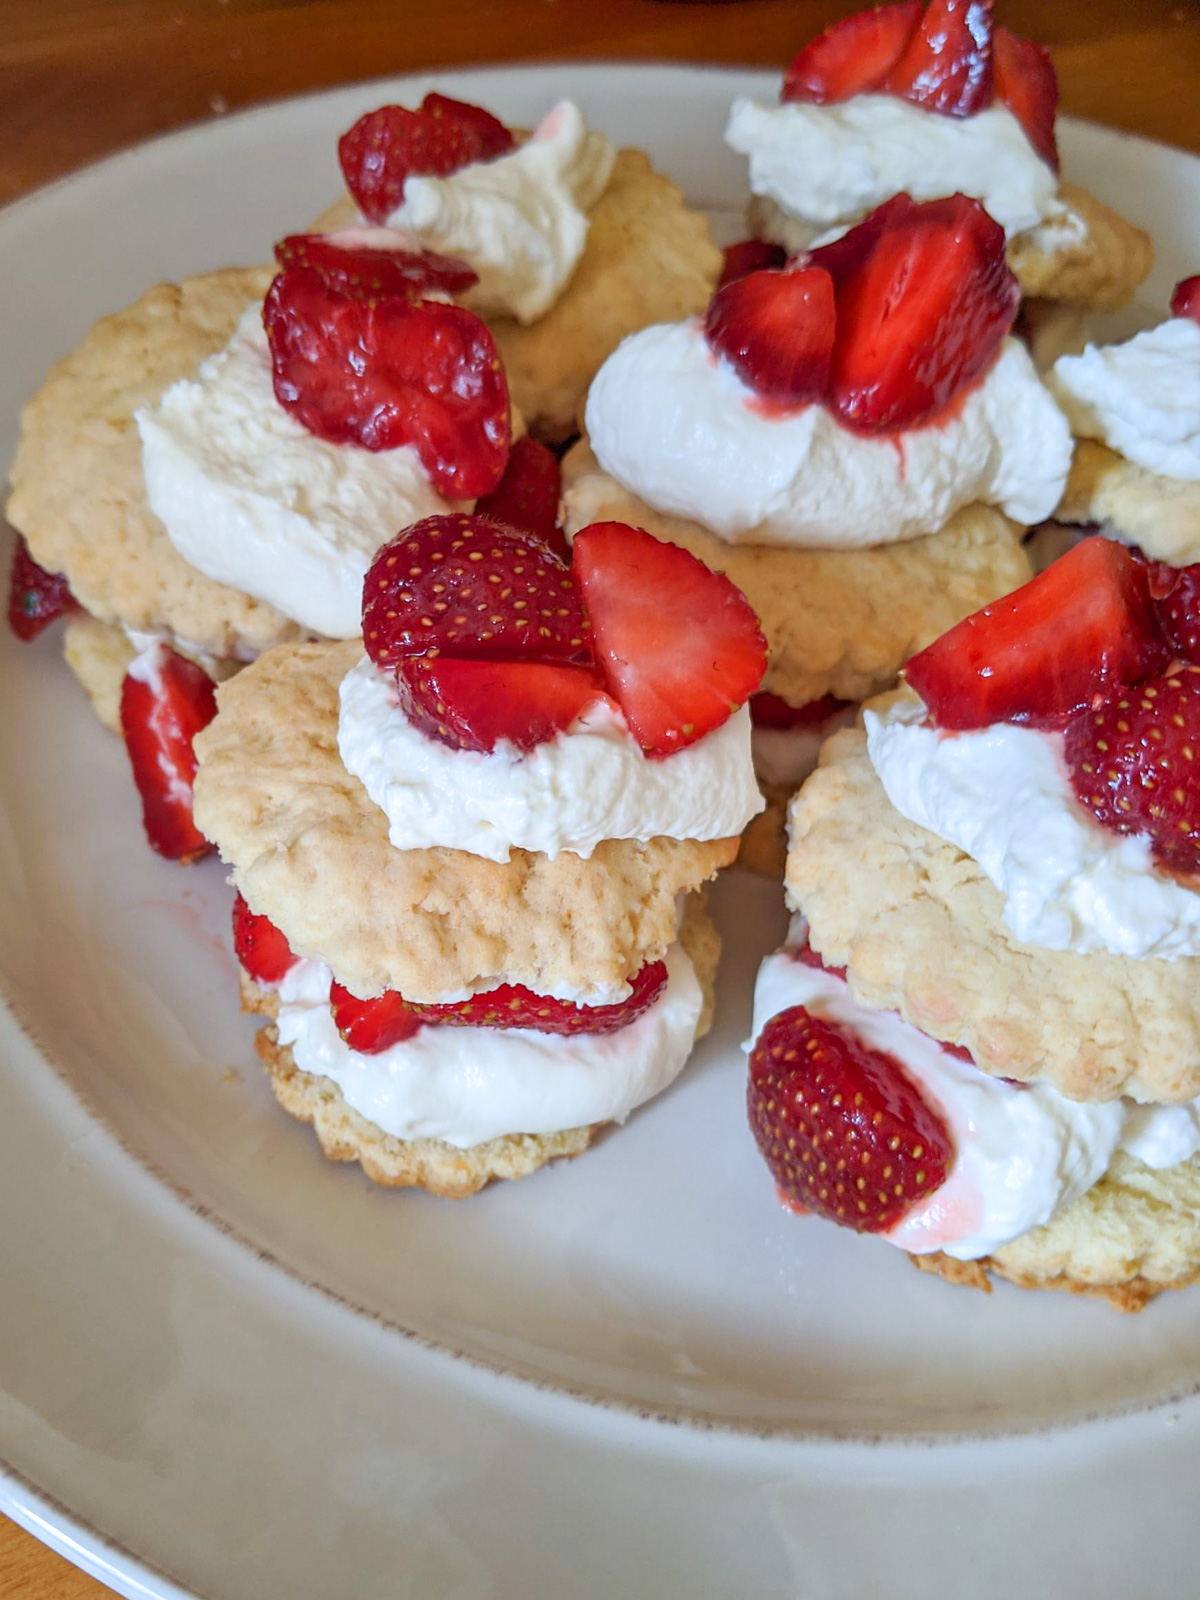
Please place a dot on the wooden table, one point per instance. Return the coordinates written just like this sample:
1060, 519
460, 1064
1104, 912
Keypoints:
80, 78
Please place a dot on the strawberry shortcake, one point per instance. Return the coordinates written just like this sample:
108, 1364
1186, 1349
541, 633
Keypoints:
933, 101
575, 243
471, 850
854, 439
983, 1040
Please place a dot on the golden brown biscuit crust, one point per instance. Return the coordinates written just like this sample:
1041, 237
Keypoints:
1161, 515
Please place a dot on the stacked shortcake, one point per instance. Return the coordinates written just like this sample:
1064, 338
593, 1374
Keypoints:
982, 1042
471, 851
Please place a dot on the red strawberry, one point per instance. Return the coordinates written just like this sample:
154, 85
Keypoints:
35, 597
1134, 762
258, 944
469, 705
372, 272
678, 646
1185, 302
777, 330
750, 255
527, 495
845, 1132
370, 1026
387, 373
468, 587
1027, 84
163, 708
854, 56
1176, 595
1083, 627
771, 711
947, 64
924, 300
387, 146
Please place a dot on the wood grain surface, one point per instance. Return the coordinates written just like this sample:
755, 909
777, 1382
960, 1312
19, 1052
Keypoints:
81, 78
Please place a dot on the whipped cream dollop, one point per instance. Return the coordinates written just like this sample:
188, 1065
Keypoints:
250, 498
1141, 398
589, 783
521, 221
829, 165
468, 1085
675, 424
1022, 1152
1003, 795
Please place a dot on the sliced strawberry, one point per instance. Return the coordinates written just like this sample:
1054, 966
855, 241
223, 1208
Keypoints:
1027, 84
1185, 302
370, 272
1176, 595
258, 944
389, 145
470, 705
771, 711
370, 1026
527, 495
36, 598
1083, 627
1134, 762
924, 301
846, 1133
678, 646
749, 255
387, 373
854, 56
777, 331
468, 587
165, 701
947, 64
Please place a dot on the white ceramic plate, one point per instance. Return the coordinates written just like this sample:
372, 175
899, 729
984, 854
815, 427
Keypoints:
225, 1360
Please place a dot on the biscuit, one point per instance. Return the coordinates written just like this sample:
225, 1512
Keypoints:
77, 490
763, 847
840, 622
920, 930
310, 850
1051, 328
648, 258
99, 656
1160, 515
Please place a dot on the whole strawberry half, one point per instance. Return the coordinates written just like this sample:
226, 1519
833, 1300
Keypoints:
1185, 301
749, 255
1027, 84
163, 708
36, 598
370, 1026
1084, 627
845, 1132
776, 328
676, 645
1134, 762
472, 705
924, 301
370, 272
387, 146
392, 372
528, 494
258, 944
1176, 595
469, 587
947, 64
853, 56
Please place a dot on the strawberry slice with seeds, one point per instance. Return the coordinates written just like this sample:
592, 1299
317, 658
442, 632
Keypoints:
468, 587
772, 711
947, 65
372, 1026
259, 946
1176, 595
1027, 84
372, 272
1134, 762
846, 1132
472, 705
1085, 626
165, 701
747, 256
1185, 301
777, 331
854, 56
387, 373
36, 598
528, 494
677, 646
388, 146
924, 301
